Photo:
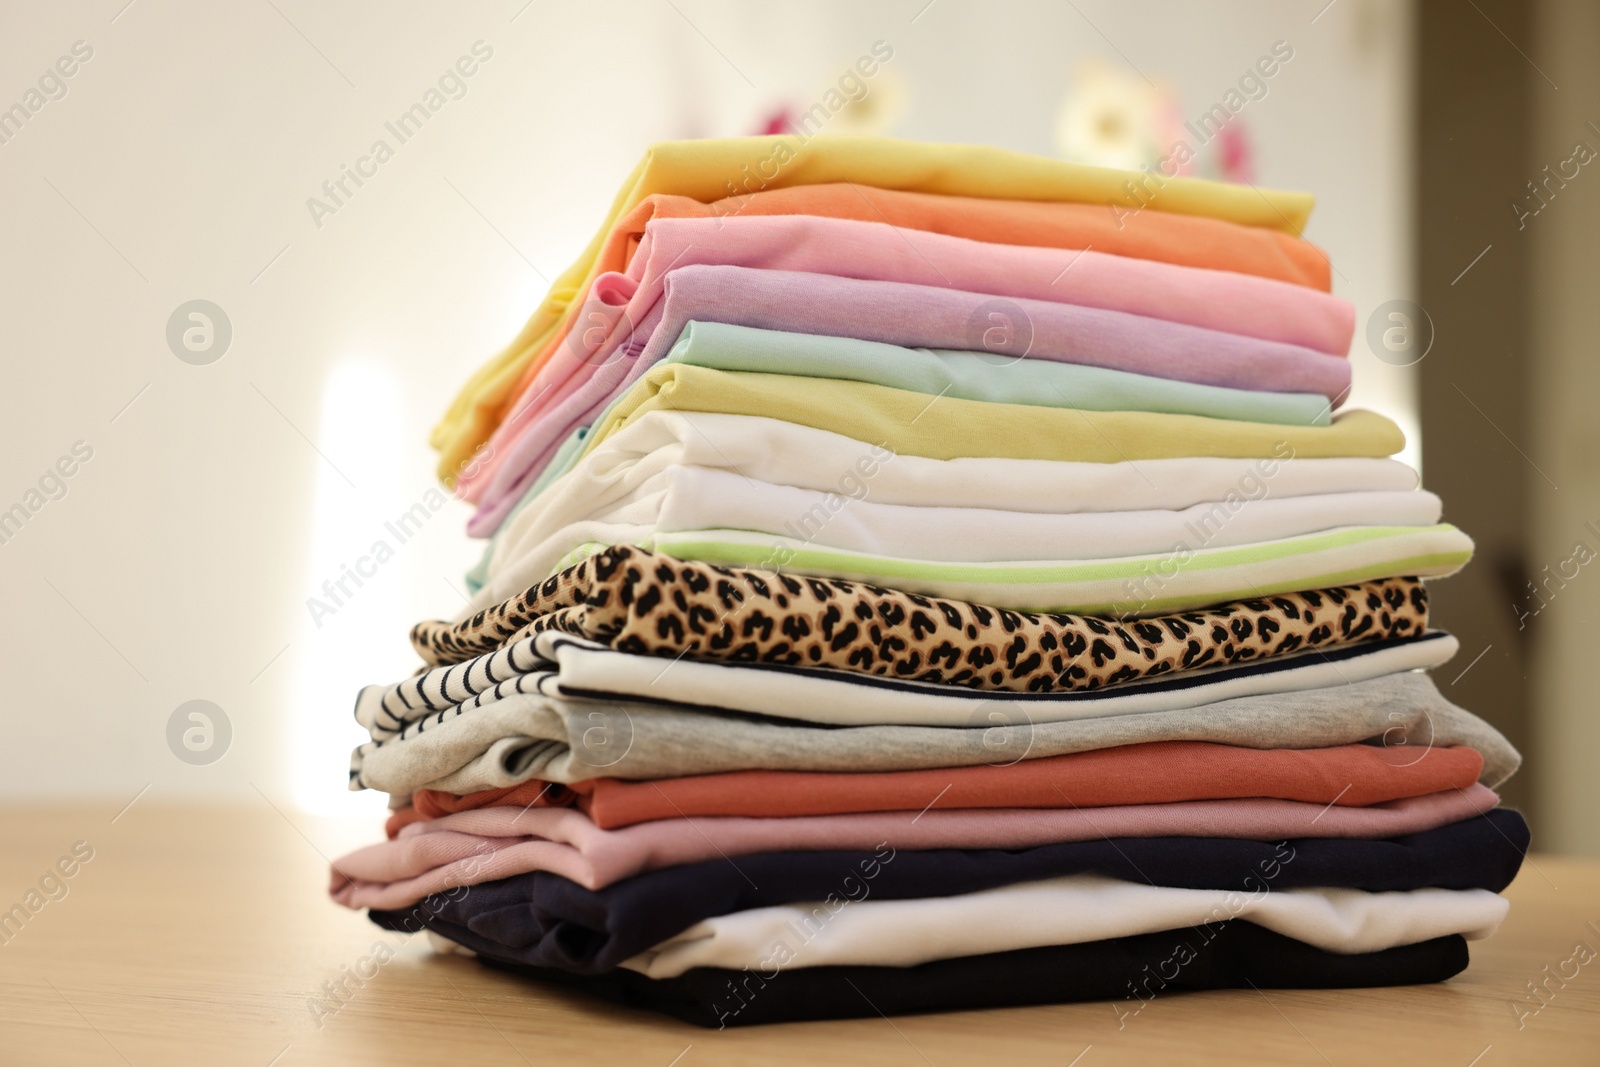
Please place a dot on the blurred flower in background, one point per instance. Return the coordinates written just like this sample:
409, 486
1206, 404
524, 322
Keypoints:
1115, 118
1235, 158
879, 110
870, 106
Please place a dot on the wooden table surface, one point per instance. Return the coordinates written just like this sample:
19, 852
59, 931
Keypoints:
201, 936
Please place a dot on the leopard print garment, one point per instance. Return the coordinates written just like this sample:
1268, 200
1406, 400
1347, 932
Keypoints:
644, 602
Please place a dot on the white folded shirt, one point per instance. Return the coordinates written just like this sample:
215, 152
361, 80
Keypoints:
557, 664
840, 698
682, 499
780, 453
1059, 911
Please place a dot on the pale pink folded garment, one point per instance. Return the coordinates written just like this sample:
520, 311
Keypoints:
487, 844
1221, 300
617, 307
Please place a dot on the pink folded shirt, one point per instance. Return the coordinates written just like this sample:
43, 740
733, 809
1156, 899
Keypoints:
1221, 300
487, 844
899, 313
617, 305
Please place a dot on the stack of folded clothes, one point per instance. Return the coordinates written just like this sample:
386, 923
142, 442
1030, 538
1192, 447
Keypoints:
935, 578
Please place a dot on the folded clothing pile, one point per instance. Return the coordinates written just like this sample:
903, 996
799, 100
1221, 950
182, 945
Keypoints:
915, 585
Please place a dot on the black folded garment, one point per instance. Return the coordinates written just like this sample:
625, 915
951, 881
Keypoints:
544, 920
1133, 973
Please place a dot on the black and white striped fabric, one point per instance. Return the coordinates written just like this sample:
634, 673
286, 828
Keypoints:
387, 710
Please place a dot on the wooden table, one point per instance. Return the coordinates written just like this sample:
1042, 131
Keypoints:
198, 936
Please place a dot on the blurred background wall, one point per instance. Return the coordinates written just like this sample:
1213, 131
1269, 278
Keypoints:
178, 161
1565, 437
1472, 152
1508, 104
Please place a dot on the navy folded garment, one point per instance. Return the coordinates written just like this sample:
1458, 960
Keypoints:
1134, 973
544, 920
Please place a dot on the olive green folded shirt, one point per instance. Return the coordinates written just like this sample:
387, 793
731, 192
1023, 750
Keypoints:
947, 427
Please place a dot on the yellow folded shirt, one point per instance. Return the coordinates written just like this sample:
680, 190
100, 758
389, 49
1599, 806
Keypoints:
942, 427
713, 169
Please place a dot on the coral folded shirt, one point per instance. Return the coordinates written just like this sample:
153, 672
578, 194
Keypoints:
706, 170
1186, 240
1158, 773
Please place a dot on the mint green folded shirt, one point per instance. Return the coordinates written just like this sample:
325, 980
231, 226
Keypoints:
982, 376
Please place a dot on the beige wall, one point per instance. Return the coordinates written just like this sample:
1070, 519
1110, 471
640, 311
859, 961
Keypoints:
1565, 442
1471, 150
178, 166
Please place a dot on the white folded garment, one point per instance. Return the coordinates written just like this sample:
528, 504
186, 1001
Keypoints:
784, 453
682, 499
1059, 911
842, 698
557, 664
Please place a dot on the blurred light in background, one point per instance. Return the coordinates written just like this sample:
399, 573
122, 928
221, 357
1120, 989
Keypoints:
354, 593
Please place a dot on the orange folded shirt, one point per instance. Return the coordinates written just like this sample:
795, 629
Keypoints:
432, 803
1186, 240
1156, 773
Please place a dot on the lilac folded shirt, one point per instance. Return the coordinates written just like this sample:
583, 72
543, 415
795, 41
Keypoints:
487, 844
618, 304
897, 313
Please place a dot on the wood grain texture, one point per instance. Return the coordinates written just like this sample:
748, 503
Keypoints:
198, 936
